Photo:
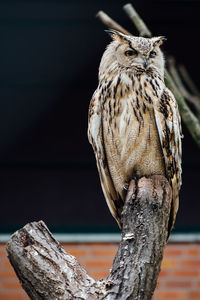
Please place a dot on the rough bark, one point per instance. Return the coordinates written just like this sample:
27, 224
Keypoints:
47, 272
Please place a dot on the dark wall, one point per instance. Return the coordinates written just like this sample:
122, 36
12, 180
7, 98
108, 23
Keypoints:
49, 57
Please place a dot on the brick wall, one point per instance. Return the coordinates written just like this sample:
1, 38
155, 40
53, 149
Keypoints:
179, 278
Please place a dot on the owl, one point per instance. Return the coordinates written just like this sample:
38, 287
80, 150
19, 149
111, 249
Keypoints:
134, 124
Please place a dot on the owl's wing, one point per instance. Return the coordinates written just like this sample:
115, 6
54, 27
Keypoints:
169, 130
95, 136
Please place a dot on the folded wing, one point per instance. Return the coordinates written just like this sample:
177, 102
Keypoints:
169, 130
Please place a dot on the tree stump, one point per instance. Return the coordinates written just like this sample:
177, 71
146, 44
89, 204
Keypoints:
47, 272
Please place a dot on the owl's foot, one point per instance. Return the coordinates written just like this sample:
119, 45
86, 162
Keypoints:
125, 187
135, 178
131, 189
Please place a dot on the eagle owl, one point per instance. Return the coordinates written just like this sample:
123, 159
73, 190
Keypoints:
134, 123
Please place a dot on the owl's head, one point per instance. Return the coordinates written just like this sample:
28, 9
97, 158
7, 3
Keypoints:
133, 53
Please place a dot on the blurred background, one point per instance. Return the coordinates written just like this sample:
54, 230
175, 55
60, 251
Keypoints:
49, 57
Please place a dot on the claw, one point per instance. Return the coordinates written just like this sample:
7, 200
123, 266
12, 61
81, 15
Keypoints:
125, 187
135, 178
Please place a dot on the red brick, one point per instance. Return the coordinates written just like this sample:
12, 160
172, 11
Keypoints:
94, 264
194, 295
99, 275
7, 273
111, 253
193, 252
3, 252
6, 263
191, 263
178, 284
163, 273
170, 295
14, 284
186, 273
77, 253
173, 252
5, 296
168, 263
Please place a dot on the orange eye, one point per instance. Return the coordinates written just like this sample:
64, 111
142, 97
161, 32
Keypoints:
130, 52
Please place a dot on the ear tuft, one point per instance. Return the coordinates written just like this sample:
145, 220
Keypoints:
158, 41
115, 35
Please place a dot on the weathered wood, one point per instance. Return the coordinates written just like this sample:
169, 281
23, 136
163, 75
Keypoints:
47, 272
145, 229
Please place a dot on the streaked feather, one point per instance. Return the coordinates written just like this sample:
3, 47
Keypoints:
95, 137
169, 130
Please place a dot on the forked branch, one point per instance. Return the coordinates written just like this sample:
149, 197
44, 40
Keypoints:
47, 272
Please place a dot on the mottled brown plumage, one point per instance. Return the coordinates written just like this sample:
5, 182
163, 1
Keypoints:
134, 124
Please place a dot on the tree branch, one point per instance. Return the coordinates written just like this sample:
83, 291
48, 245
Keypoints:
175, 75
190, 120
145, 230
184, 73
47, 272
105, 19
137, 20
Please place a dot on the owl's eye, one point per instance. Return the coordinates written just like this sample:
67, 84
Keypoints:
130, 52
152, 54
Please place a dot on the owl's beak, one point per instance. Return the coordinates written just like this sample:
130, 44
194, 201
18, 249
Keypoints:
145, 63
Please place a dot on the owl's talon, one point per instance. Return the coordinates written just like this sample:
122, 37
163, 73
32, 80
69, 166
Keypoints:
135, 179
125, 187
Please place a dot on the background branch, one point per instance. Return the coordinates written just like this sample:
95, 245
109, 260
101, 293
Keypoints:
189, 119
105, 19
184, 73
137, 20
174, 73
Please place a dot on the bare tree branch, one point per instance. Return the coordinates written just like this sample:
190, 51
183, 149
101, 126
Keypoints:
105, 19
144, 237
47, 272
137, 20
190, 120
175, 75
184, 73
